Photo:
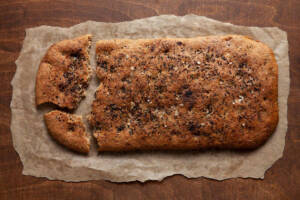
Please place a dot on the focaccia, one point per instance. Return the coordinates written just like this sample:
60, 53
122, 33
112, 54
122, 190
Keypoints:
68, 130
64, 73
184, 93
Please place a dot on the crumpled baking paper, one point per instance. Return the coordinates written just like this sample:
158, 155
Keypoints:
43, 157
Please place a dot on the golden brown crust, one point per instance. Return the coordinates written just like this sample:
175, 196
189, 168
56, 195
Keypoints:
68, 130
64, 73
198, 93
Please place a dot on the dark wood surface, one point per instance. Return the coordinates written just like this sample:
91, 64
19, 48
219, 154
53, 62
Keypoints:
282, 181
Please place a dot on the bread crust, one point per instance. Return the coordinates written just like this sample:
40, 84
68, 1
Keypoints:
68, 130
64, 73
196, 93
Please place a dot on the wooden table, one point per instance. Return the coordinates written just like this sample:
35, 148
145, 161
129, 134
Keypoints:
282, 181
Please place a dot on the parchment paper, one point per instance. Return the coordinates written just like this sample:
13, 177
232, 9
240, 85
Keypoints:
42, 157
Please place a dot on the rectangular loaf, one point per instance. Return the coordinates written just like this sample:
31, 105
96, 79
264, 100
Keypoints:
184, 93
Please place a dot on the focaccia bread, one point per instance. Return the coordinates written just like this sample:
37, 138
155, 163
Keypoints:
64, 73
197, 93
68, 130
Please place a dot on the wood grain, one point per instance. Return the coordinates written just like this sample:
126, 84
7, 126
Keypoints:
282, 181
